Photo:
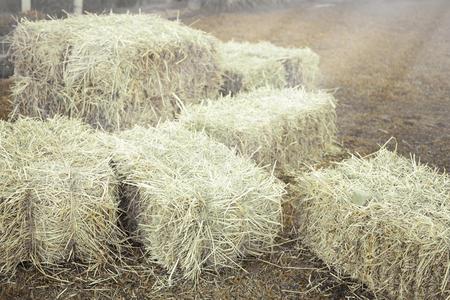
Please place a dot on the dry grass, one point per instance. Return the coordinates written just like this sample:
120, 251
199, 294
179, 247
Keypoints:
111, 71
58, 195
191, 202
286, 127
384, 220
248, 66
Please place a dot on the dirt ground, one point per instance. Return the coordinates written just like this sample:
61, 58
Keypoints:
390, 63
389, 59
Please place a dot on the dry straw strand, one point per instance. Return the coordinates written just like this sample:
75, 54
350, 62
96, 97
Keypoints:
58, 195
247, 66
191, 202
112, 71
282, 127
383, 220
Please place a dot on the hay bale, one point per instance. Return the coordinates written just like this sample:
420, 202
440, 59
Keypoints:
288, 127
111, 71
5, 98
58, 195
248, 66
191, 202
383, 220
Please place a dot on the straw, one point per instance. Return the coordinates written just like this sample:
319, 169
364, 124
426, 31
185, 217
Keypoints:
58, 196
191, 202
384, 220
247, 66
286, 128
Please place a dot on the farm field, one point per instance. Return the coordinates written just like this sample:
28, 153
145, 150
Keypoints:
389, 62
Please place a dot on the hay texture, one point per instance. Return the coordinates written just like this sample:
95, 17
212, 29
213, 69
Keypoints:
191, 202
384, 220
286, 127
247, 66
58, 195
111, 71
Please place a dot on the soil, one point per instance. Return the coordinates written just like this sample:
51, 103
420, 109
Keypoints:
388, 63
388, 59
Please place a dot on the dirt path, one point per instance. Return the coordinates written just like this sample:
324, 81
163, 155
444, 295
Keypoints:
389, 59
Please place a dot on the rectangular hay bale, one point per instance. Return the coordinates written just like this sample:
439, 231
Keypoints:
58, 196
384, 220
191, 203
286, 127
112, 71
247, 66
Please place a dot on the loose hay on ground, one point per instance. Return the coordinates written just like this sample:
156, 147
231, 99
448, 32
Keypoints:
285, 127
247, 66
58, 195
384, 220
191, 202
112, 71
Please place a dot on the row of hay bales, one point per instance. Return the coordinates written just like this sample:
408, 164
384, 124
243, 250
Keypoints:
183, 193
111, 71
194, 205
189, 201
120, 70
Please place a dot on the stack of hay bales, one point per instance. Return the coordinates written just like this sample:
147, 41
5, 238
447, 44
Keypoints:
385, 221
287, 127
247, 66
58, 195
111, 71
191, 202
5, 98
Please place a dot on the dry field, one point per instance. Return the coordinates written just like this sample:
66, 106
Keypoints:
390, 63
